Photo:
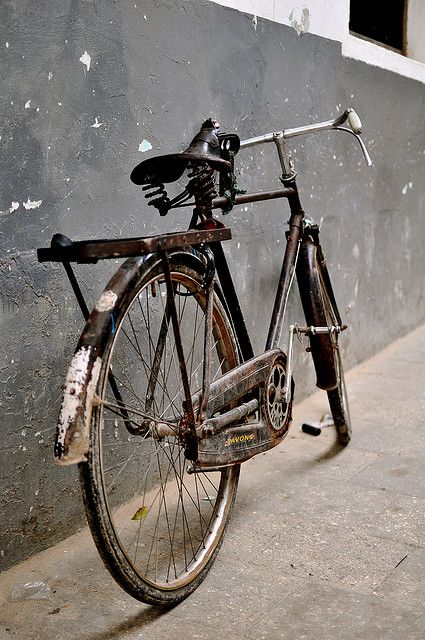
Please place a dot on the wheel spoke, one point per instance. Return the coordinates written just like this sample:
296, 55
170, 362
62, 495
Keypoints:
167, 523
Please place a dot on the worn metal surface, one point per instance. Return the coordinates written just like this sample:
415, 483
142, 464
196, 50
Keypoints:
72, 440
93, 250
239, 442
221, 202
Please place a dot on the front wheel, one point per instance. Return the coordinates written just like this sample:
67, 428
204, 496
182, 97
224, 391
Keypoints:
321, 311
157, 527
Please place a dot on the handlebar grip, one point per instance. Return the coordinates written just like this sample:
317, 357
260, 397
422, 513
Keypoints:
354, 121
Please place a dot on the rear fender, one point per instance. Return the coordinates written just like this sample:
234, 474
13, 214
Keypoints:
72, 440
72, 434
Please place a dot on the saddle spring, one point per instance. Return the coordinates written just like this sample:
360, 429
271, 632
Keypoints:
201, 184
201, 187
162, 202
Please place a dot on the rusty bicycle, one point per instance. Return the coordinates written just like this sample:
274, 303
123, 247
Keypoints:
164, 397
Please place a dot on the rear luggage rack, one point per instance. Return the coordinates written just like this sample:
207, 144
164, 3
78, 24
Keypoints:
63, 249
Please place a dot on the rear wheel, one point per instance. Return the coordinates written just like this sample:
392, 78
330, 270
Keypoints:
157, 527
321, 311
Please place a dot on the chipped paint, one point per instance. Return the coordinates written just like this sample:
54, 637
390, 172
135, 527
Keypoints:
255, 22
106, 301
86, 59
96, 124
145, 145
72, 435
28, 104
303, 24
32, 204
13, 207
49, 75
406, 187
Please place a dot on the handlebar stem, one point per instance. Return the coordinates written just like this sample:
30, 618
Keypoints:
284, 158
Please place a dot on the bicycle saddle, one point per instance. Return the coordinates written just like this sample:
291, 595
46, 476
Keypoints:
205, 147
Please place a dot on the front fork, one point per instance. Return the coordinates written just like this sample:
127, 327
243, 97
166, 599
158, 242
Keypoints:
296, 330
311, 229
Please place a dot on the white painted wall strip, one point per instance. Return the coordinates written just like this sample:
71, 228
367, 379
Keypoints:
330, 19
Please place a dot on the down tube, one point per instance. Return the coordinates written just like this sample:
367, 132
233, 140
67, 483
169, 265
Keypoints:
286, 277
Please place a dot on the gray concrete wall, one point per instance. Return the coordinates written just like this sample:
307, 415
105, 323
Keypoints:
157, 69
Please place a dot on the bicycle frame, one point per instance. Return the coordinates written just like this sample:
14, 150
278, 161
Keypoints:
209, 233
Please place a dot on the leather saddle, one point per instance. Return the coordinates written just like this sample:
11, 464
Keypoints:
208, 146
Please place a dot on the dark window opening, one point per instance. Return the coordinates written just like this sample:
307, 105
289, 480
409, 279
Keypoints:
381, 21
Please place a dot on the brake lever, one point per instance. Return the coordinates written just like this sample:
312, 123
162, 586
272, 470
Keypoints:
360, 141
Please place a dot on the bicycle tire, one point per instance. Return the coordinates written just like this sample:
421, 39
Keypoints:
157, 528
320, 310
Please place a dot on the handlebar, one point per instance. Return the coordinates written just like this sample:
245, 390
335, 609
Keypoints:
349, 116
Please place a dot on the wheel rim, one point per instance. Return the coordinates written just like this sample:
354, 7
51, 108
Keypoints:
165, 522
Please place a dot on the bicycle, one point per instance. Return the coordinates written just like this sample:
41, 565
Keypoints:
164, 398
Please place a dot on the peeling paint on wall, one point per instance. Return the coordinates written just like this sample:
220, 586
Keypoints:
303, 24
96, 124
13, 207
32, 204
86, 59
145, 145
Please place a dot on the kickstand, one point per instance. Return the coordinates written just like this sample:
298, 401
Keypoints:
315, 428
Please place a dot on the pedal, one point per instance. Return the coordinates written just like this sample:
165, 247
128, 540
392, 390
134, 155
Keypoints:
315, 428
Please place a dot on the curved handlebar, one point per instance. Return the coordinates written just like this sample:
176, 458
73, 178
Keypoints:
349, 116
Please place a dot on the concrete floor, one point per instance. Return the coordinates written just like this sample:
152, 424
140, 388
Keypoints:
324, 543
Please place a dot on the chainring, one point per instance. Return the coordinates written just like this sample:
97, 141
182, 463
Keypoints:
277, 409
